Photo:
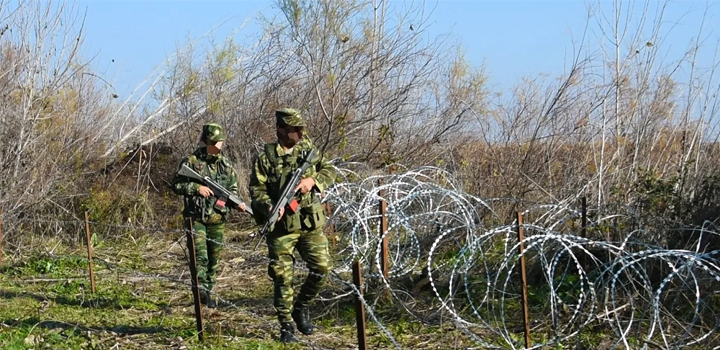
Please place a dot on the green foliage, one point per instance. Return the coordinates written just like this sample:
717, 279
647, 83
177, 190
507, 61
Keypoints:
113, 206
62, 266
567, 290
658, 196
404, 328
70, 287
678, 202
25, 335
225, 58
705, 205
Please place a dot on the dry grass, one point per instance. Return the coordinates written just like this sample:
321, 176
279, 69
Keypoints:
139, 305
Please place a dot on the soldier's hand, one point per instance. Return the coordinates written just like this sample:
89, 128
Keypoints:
205, 191
305, 185
241, 207
280, 213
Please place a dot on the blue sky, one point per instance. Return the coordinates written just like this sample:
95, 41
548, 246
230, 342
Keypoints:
512, 38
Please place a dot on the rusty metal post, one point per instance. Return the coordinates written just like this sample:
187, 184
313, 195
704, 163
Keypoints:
523, 276
359, 307
1, 238
89, 248
331, 226
194, 277
583, 229
383, 229
583, 206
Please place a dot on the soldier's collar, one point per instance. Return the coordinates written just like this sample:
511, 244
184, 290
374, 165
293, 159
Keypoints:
281, 151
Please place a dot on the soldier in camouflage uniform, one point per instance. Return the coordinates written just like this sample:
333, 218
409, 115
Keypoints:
199, 204
302, 229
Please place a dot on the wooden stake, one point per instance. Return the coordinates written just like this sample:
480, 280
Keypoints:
194, 277
383, 229
359, 307
328, 214
583, 230
583, 205
89, 249
523, 275
1, 238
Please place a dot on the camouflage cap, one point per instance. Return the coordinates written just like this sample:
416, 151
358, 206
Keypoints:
213, 132
289, 116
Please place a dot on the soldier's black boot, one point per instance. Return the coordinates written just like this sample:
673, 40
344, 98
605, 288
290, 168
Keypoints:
301, 315
211, 303
204, 296
287, 333
206, 299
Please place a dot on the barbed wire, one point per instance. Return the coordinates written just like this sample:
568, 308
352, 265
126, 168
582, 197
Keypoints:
454, 248
633, 286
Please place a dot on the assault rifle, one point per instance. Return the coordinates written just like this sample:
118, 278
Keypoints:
287, 197
222, 194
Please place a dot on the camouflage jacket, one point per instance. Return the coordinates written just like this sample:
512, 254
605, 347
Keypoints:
220, 169
272, 168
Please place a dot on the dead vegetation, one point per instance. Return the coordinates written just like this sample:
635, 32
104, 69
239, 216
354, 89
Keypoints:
625, 125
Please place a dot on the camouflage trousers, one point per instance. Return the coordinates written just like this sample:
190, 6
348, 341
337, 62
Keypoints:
208, 244
313, 248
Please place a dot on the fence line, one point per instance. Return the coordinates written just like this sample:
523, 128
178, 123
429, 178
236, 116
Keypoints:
439, 240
